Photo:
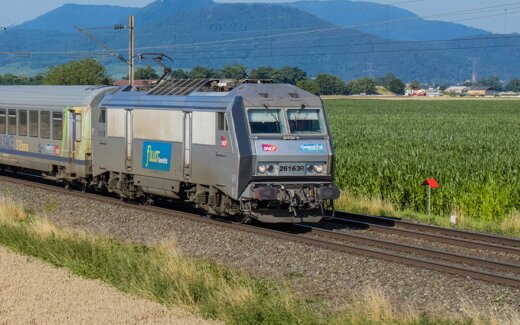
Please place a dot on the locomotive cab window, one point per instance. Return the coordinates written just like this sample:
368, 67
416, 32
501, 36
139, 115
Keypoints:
266, 121
3, 121
222, 122
11, 120
22, 122
45, 126
33, 124
305, 121
57, 125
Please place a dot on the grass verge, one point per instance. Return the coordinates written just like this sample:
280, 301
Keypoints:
161, 274
509, 226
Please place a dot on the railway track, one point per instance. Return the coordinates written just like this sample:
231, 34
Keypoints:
468, 239
466, 266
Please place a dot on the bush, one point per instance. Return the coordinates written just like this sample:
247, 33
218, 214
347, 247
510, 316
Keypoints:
81, 72
362, 86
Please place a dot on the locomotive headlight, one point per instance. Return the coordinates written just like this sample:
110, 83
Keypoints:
262, 169
319, 169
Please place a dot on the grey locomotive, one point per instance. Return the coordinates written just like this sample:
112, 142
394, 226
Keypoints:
256, 151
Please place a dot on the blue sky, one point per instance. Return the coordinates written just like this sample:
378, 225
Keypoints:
18, 11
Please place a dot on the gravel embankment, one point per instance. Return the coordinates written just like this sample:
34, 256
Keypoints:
33, 292
336, 276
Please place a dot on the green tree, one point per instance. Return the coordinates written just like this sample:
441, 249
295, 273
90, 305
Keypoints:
11, 79
329, 84
513, 85
493, 81
396, 86
385, 80
362, 86
203, 73
147, 73
80, 72
309, 85
262, 73
416, 85
179, 74
289, 75
237, 72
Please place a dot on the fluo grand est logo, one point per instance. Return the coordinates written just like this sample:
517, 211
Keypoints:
157, 156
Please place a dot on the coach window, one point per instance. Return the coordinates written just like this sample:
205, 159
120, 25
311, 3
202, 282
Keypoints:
57, 125
3, 121
222, 122
33, 124
45, 126
11, 120
22, 123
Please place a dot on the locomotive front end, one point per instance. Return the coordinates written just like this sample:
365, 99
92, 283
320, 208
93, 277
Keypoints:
293, 161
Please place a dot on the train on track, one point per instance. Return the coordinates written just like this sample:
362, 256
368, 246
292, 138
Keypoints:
251, 151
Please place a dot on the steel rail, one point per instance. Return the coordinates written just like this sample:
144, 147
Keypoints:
462, 242
402, 224
407, 249
299, 238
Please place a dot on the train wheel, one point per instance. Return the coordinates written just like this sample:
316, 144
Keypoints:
83, 187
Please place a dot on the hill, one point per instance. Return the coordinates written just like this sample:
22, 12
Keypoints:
205, 33
63, 18
372, 17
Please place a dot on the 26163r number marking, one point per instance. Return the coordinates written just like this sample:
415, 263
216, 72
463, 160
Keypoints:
292, 168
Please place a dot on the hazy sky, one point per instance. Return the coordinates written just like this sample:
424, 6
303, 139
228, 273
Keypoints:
18, 11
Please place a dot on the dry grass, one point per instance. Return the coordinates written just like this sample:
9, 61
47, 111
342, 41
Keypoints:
490, 316
373, 206
11, 212
162, 274
511, 225
374, 306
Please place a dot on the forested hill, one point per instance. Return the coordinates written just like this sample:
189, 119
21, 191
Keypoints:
201, 32
372, 17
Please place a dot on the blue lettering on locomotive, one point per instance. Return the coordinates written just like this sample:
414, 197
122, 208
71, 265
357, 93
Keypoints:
157, 156
312, 147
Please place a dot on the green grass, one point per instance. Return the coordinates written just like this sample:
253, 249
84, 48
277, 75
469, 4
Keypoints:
161, 274
385, 149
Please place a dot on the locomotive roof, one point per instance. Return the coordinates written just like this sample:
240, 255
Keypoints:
49, 96
254, 95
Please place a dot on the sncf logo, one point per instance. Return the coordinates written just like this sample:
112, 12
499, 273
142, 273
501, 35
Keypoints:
269, 148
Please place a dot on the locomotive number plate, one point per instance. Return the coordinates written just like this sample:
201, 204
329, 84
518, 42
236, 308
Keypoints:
292, 169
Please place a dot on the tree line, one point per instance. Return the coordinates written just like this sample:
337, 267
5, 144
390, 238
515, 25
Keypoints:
92, 72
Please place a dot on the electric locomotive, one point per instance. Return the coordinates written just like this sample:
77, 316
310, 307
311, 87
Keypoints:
253, 151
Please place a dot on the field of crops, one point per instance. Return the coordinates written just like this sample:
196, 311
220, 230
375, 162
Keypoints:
385, 149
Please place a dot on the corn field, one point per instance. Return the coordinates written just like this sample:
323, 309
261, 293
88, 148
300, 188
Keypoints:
387, 148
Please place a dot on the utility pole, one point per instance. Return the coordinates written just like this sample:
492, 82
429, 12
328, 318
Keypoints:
131, 26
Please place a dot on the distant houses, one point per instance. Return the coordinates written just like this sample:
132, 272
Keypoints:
482, 91
430, 92
456, 90
472, 91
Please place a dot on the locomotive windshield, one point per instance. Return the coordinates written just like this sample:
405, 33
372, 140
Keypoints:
305, 121
266, 121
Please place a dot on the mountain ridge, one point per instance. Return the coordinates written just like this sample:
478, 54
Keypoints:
372, 18
213, 35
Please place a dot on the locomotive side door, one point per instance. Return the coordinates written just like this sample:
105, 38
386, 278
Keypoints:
187, 143
73, 120
129, 139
